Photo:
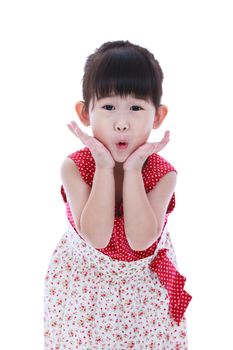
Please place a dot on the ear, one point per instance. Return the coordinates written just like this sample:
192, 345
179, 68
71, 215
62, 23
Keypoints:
159, 116
82, 113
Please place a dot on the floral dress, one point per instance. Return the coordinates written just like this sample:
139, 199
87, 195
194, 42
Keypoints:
115, 298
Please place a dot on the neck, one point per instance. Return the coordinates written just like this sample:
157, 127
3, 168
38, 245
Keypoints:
118, 167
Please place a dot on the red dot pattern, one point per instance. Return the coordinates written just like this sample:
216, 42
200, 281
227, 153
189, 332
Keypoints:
154, 169
174, 282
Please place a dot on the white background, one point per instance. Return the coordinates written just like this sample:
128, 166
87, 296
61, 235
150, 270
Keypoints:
44, 45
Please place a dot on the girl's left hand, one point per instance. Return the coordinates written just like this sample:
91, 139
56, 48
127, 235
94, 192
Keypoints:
136, 160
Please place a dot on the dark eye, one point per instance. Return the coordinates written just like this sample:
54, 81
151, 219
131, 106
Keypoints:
136, 108
108, 107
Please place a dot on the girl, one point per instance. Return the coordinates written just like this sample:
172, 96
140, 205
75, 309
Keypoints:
112, 282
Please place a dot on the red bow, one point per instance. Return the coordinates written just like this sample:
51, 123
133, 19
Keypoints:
174, 282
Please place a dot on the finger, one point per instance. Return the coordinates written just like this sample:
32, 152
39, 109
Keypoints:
166, 137
76, 128
164, 142
71, 125
77, 131
158, 146
83, 137
71, 128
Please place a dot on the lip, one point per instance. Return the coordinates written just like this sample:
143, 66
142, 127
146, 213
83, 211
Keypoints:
122, 138
123, 146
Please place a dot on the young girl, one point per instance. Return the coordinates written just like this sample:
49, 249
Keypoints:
113, 282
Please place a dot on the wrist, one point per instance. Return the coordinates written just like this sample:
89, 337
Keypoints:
132, 171
104, 169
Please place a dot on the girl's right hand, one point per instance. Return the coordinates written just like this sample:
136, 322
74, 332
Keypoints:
101, 155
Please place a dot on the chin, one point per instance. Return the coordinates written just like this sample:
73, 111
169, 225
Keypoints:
120, 160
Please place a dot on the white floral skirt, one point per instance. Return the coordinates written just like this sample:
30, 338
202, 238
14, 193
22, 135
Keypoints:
92, 301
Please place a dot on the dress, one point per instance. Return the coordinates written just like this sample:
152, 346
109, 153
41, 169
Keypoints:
115, 298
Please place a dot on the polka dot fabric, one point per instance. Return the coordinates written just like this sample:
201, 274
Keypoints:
115, 299
174, 282
118, 248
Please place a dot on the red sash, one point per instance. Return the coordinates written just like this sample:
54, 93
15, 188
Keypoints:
174, 282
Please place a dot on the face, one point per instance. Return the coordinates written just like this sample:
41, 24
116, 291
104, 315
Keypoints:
114, 119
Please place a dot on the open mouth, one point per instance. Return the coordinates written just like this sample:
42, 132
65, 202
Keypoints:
122, 145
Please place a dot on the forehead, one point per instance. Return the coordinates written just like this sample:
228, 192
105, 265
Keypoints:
119, 99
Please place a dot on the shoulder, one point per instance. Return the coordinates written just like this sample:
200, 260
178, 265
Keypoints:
160, 187
162, 196
165, 173
72, 164
166, 185
168, 181
156, 168
160, 164
68, 168
77, 161
82, 155
73, 184
80, 162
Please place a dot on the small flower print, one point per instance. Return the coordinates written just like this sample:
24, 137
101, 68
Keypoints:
80, 314
131, 345
82, 308
71, 333
118, 337
84, 289
65, 284
68, 267
52, 291
108, 327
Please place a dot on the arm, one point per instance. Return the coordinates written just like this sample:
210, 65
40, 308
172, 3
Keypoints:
144, 213
97, 218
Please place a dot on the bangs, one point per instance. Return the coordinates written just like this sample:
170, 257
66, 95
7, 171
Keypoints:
124, 72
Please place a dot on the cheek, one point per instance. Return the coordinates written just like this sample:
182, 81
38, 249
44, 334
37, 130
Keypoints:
99, 130
142, 135
144, 130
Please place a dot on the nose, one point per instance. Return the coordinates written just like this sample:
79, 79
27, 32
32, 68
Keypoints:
121, 126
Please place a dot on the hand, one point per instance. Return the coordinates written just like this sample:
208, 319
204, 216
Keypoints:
101, 155
136, 160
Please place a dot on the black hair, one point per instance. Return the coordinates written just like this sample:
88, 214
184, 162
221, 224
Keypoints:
122, 68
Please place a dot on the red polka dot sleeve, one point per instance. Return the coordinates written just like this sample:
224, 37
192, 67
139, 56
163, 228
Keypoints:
86, 165
155, 169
